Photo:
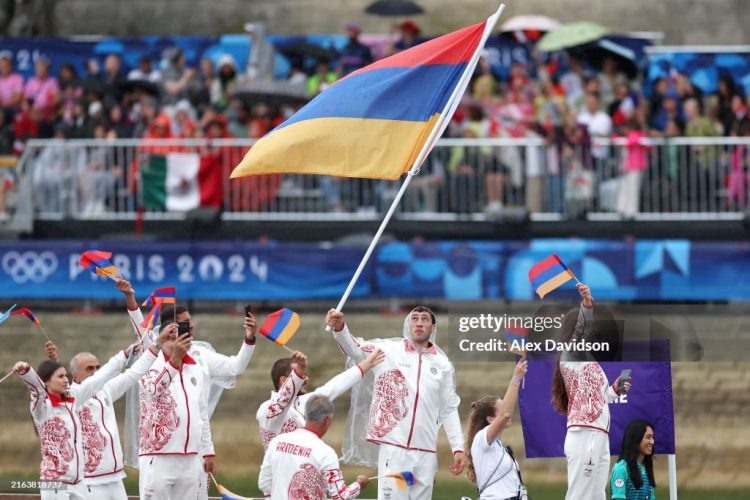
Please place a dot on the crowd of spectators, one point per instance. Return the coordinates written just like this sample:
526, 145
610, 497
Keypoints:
571, 110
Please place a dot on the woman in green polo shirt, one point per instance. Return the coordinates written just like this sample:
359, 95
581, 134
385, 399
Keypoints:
633, 474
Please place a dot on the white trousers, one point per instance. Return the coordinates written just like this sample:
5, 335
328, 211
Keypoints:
203, 483
168, 477
114, 490
394, 459
629, 196
67, 492
587, 451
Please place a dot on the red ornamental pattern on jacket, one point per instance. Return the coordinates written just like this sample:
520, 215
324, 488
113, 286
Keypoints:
57, 448
389, 403
266, 436
306, 484
285, 398
93, 440
159, 417
585, 398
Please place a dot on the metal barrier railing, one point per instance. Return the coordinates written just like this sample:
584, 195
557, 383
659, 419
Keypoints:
679, 178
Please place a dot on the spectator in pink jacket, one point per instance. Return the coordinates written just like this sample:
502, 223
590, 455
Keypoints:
634, 162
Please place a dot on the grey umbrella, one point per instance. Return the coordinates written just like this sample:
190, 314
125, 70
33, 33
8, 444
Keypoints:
394, 8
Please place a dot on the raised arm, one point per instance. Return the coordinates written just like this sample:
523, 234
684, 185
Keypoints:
36, 388
347, 379
283, 400
124, 381
134, 312
83, 391
510, 400
351, 347
585, 322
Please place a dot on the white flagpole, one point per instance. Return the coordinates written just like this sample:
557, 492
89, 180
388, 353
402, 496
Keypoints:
672, 462
435, 134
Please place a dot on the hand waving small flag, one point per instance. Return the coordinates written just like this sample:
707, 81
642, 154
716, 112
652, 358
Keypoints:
549, 274
280, 326
404, 479
98, 263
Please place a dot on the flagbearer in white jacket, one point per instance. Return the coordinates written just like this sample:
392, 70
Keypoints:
285, 411
413, 395
55, 409
104, 468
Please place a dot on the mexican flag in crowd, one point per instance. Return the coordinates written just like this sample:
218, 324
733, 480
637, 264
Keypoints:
177, 182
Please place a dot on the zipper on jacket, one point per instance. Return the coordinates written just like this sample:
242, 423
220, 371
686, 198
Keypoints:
416, 401
111, 438
75, 441
187, 407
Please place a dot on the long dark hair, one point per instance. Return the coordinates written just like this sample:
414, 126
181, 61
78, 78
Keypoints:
480, 410
604, 329
47, 368
631, 443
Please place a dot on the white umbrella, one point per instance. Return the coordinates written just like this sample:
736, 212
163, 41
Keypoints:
538, 23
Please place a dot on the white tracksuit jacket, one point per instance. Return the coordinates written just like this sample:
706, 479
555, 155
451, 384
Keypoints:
586, 383
285, 411
101, 437
58, 423
413, 394
174, 409
299, 464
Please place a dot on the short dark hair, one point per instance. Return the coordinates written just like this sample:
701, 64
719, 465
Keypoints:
47, 368
281, 368
426, 309
168, 313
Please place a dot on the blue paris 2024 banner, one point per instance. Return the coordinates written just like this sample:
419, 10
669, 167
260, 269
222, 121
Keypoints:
655, 270
650, 398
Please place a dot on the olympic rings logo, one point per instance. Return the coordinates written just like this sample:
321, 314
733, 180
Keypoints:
29, 266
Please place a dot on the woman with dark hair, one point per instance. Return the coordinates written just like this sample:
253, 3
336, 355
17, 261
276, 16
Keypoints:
581, 392
490, 464
55, 407
633, 474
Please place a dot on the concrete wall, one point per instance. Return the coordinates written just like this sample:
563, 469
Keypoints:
683, 21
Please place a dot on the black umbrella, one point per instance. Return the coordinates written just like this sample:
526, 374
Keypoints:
304, 49
594, 53
276, 93
394, 8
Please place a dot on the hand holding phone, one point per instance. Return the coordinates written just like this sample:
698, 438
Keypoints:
248, 309
624, 377
183, 327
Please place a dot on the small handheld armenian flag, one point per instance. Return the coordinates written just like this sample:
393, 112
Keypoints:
164, 295
404, 479
98, 263
152, 318
280, 326
549, 274
32, 317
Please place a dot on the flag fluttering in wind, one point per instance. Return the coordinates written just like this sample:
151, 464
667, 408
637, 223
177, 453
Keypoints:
404, 479
28, 314
280, 326
152, 318
7, 313
549, 274
375, 122
164, 295
98, 263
